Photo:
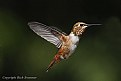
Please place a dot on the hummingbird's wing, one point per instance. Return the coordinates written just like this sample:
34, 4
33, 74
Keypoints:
51, 34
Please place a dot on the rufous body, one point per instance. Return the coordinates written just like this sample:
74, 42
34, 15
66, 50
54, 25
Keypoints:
66, 43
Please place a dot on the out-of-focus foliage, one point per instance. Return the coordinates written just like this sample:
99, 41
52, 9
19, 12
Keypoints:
23, 53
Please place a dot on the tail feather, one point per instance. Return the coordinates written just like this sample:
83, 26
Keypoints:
54, 61
51, 64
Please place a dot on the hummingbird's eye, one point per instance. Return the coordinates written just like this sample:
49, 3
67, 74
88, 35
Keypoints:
81, 24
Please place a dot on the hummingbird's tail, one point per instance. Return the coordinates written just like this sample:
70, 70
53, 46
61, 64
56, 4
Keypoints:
55, 60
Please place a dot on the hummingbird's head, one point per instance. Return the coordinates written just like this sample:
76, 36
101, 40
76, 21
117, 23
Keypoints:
79, 27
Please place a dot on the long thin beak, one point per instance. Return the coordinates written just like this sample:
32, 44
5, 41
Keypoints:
93, 24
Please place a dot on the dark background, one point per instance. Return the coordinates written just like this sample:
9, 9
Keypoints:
23, 53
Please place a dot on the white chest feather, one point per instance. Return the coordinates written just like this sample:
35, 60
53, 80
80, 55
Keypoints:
75, 40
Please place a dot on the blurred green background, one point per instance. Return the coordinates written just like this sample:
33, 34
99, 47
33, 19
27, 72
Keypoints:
23, 53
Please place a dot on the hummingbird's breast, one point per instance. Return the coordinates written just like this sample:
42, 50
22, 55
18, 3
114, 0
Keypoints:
69, 46
74, 39
74, 42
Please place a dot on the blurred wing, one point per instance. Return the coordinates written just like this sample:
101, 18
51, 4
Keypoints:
51, 34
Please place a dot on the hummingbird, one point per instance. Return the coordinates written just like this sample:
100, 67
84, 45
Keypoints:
65, 43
